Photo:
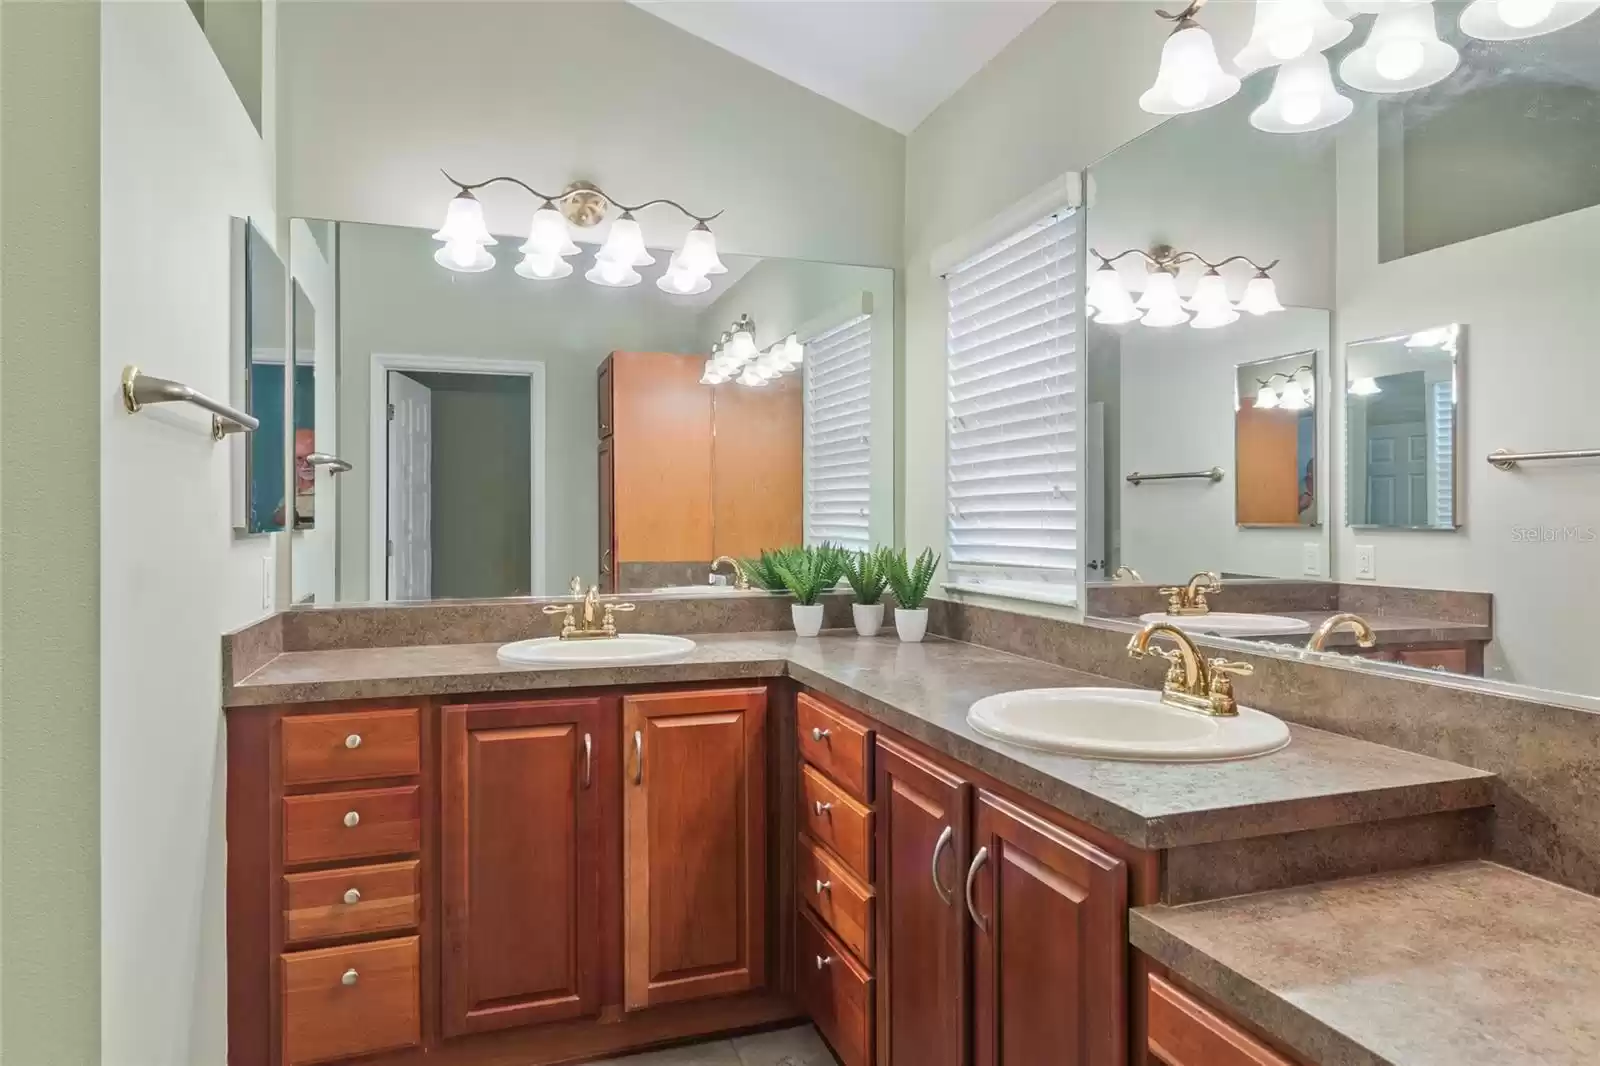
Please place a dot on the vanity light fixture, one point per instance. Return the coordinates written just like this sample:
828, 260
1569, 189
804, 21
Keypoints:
1266, 398
1108, 297
1364, 387
466, 239
1161, 306
734, 357
1402, 51
1516, 20
1190, 77
1303, 98
1293, 397
1210, 302
1286, 30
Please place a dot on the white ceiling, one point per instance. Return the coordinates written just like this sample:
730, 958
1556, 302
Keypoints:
893, 61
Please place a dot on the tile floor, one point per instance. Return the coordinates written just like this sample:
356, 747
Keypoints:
799, 1046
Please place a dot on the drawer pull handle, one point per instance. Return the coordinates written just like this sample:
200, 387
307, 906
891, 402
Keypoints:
638, 757
823, 808
349, 978
352, 895
351, 819
820, 734
353, 741
972, 877
944, 842
824, 960
588, 760
824, 886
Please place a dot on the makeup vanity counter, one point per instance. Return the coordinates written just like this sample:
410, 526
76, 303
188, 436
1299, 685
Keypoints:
1321, 780
1470, 964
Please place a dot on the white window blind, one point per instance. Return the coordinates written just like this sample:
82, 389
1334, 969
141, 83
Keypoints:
838, 440
1012, 471
1443, 446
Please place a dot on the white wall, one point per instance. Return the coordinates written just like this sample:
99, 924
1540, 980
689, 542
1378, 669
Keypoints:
785, 296
1178, 414
558, 91
395, 300
1059, 97
179, 156
316, 270
1526, 297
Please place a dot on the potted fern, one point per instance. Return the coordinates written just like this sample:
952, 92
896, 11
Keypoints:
910, 581
868, 574
808, 573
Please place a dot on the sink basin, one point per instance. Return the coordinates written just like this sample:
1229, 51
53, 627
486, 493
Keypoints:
628, 650
1223, 624
1122, 723
693, 590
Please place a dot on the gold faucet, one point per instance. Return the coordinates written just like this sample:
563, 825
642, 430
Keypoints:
1345, 620
576, 587
592, 606
1126, 572
1193, 682
740, 582
1191, 598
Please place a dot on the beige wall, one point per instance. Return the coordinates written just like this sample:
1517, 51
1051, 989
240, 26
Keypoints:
49, 572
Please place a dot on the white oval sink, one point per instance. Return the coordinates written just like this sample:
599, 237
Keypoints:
1123, 723
694, 590
1223, 624
628, 650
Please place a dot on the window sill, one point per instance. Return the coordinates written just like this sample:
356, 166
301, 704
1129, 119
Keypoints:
1059, 597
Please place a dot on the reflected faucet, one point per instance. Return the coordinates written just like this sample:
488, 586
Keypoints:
740, 582
1345, 620
1193, 682
1126, 573
1190, 599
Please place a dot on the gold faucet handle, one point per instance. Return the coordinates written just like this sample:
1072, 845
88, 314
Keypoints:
568, 622
609, 624
1175, 595
1224, 668
1221, 693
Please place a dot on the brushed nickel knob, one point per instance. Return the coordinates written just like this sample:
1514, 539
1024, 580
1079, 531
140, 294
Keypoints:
353, 741
824, 886
351, 819
349, 978
823, 808
352, 895
822, 960
820, 734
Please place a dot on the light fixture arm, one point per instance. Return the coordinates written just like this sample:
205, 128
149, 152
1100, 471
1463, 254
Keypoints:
577, 190
1185, 15
1164, 258
1240, 259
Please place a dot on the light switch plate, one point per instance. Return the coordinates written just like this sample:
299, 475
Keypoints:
1311, 558
1366, 562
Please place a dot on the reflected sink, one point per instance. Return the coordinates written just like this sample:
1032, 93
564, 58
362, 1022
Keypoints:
628, 650
1123, 723
693, 590
1223, 624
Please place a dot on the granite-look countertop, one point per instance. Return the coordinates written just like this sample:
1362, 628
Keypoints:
1471, 964
1321, 779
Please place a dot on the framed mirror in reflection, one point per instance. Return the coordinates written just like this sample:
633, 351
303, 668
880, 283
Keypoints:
304, 406
510, 436
1403, 426
1275, 441
261, 496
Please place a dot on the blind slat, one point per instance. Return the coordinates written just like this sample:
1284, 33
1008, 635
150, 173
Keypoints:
838, 434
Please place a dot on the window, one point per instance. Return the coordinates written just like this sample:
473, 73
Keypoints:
838, 442
1011, 477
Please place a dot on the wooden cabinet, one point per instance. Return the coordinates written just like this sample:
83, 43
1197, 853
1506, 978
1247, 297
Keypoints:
604, 390
1050, 943
1186, 1032
355, 1000
607, 548
522, 840
922, 836
694, 828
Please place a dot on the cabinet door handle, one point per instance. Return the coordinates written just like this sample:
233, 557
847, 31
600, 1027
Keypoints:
353, 741
972, 877
638, 756
824, 960
348, 978
588, 759
823, 808
824, 886
820, 734
944, 842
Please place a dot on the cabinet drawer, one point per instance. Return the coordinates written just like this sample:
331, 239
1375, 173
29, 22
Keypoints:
353, 746
835, 991
351, 825
835, 744
351, 902
1185, 1032
355, 1000
836, 819
844, 904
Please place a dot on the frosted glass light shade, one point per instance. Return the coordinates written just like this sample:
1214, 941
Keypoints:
677, 281
1364, 387
542, 267
463, 222
752, 378
1402, 52
1260, 296
1293, 398
625, 244
1210, 303
1266, 399
464, 257
1514, 20
699, 253
1303, 99
1108, 298
1162, 305
1286, 30
794, 353
549, 234
713, 374
1215, 318
742, 346
1190, 77
613, 275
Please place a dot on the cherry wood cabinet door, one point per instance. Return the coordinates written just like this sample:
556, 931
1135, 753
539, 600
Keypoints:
522, 838
922, 839
608, 518
694, 853
1049, 943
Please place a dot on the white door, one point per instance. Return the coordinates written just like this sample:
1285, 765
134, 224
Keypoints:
410, 496
1397, 475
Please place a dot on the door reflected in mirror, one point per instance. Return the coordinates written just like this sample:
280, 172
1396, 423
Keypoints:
1402, 401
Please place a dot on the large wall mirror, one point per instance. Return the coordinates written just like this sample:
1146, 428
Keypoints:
1434, 256
508, 434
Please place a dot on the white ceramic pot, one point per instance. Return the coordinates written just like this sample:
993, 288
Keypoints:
869, 617
807, 619
911, 625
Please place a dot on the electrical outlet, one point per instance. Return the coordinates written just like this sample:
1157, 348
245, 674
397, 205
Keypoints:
1366, 562
269, 582
1311, 558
